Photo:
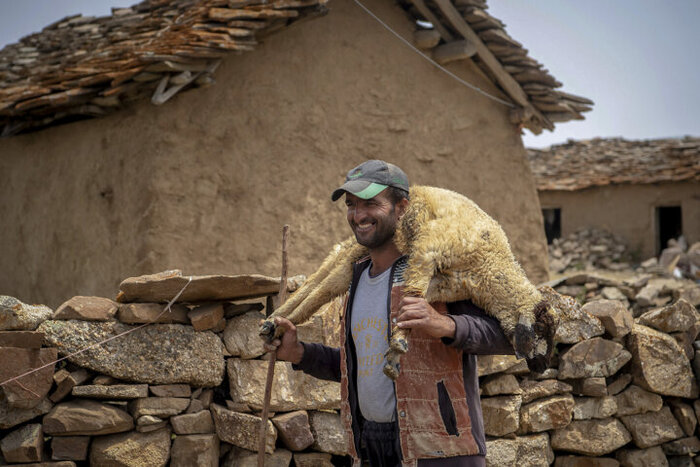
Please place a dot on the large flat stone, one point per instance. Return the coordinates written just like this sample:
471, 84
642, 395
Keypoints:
677, 317
614, 316
164, 286
586, 408
532, 390
241, 429
25, 444
139, 313
27, 391
131, 449
161, 407
659, 364
86, 417
12, 416
87, 309
195, 450
591, 437
241, 335
18, 316
546, 414
501, 414
291, 390
653, 428
23, 339
635, 400
595, 357
651, 457
490, 364
328, 432
155, 354
522, 451
113, 392
171, 390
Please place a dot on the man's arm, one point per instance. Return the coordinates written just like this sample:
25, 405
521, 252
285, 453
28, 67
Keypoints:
475, 331
318, 360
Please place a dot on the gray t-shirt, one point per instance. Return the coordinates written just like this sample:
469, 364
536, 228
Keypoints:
369, 326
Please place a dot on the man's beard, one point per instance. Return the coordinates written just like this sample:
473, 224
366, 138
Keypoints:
383, 233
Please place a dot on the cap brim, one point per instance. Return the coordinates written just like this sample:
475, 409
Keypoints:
360, 188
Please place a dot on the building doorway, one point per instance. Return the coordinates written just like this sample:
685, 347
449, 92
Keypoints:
669, 224
552, 223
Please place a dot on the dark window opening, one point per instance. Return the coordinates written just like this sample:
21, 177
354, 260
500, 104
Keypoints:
552, 223
668, 225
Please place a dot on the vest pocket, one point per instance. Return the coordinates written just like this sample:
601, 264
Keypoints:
447, 411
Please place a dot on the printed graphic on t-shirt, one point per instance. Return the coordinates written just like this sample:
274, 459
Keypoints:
370, 336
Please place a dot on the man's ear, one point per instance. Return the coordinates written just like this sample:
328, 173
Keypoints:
401, 207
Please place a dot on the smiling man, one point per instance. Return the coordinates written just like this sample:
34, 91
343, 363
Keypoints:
444, 389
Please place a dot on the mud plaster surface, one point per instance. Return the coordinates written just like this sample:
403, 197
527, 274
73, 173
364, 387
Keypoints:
205, 182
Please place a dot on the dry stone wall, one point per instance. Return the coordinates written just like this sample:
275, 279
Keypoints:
184, 386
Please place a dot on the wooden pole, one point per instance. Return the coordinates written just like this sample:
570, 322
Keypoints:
282, 296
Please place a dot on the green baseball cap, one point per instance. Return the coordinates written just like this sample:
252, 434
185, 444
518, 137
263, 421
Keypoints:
370, 178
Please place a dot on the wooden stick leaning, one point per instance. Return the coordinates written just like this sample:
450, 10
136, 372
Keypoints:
282, 296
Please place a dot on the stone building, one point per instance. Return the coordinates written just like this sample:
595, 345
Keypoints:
204, 180
646, 192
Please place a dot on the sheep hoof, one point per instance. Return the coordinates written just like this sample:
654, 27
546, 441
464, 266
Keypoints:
392, 365
267, 330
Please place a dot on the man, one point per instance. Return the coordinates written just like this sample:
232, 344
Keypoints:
431, 415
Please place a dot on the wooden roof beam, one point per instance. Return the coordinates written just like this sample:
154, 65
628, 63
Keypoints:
504, 79
430, 16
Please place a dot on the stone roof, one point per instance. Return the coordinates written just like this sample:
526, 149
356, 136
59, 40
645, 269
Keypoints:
83, 67
576, 165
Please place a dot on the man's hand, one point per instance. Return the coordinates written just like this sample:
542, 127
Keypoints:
288, 348
416, 313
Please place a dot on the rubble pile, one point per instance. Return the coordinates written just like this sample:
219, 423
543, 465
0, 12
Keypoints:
187, 389
677, 259
588, 249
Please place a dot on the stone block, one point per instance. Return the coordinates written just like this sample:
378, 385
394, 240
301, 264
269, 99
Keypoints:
659, 364
28, 391
546, 414
635, 400
677, 317
328, 432
18, 316
201, 450
193, 424
491, 364
148, 423
591, 437
294, 430
26, 444
162, 407
87, 309
23, 339
291, 390
241, 335
685, 415
132, 449
206, 317
587, 408
65, 382
521, 451
500, 384
532, 390
596, 357
86, 417
689, 446
501, 414
242, 430
592, 387
243, 458
145, 356
114, 392
12, 416
651, 457
575, 325
312, 459
140, 313
614, 316
579, 461
619, 383
72, 448
171, 390
653, 428
231, 310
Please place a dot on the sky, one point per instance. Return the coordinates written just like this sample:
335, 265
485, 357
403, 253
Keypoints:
638, 60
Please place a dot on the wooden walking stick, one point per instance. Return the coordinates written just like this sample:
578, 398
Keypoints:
282, 296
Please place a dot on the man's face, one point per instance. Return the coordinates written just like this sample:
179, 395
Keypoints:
373, 221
